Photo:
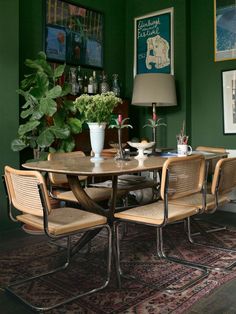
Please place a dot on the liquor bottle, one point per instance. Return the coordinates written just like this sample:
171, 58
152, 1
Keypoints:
104, 86
73, 80
95, 83
115, 85
85, 84
79, 81
90, 85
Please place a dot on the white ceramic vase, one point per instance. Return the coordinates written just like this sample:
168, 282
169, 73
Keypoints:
97, 136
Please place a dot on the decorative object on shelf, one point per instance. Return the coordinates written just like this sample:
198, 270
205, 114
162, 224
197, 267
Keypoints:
115, 85
183, 149
141, 147
154, 90
104, 86
50, 118
72, 81
97, 109
119, 125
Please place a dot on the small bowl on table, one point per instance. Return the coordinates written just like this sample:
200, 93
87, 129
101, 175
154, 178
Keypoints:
141, 147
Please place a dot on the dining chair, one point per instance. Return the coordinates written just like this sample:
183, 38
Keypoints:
59, 187
180, 177
27, 193
223, 182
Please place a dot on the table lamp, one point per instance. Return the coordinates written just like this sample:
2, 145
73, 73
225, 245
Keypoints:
154, 90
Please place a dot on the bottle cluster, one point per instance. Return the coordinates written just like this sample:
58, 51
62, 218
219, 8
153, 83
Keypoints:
82, 83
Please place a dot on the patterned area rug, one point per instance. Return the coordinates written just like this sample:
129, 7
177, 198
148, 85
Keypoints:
138, 254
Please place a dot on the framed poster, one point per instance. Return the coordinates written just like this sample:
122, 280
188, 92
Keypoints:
73, 34
225, 29
153, 43
229, 101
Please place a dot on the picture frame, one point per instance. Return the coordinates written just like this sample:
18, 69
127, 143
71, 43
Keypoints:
154, 42
229, 101
224, 30
73, 34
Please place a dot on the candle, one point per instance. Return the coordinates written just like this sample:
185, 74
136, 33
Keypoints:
119, 118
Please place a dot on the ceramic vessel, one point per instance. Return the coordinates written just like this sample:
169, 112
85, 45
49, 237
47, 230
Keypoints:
97, 136
141, 147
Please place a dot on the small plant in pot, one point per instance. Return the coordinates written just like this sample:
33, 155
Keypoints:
97, 111
50, 119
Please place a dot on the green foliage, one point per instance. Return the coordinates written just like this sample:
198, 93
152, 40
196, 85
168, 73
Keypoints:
154, 123
50, 120
97, 108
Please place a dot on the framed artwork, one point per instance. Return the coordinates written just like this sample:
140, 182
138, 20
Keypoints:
229, 101
153, 43
225, 29
73, 34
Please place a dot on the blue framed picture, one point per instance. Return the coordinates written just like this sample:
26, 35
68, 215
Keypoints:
153, 43
73, 34
225, 29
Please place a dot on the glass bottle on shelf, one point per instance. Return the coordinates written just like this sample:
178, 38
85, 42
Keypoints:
73, 80
115, 85
104, 86
90, 85
79, 81
85, 84
95, 83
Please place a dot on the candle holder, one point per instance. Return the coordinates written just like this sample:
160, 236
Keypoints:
119, 125
154, 123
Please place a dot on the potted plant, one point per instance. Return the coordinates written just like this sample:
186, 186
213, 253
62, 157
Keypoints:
96, 111
49, 117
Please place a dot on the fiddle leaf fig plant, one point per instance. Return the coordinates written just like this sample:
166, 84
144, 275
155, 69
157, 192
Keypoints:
49, 119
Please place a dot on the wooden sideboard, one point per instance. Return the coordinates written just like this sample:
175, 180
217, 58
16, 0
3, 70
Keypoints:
83, 139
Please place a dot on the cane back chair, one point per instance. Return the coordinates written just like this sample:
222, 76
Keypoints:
223, 182
180, 177
27, 192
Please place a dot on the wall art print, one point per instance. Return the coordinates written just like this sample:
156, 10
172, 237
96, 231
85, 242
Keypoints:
153, 43
225, 29
73, 34
229, 101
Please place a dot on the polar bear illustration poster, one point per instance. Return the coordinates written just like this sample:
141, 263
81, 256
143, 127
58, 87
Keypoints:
154, 43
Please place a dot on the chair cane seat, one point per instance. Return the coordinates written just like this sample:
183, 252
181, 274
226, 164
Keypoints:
64, 220
153, 213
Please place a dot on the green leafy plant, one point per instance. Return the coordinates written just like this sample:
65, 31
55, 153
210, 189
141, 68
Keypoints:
97, 108
50, 120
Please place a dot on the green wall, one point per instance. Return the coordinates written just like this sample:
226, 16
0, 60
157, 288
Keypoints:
9, 107
173, 115
206, 87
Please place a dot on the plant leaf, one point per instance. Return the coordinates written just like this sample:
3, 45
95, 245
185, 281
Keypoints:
61, 133
54, 92
18, 145
48, 106
27, 127
75, 125
46, 138
59, 70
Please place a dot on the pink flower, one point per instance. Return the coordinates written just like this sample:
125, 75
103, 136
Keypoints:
154, 116
119, 118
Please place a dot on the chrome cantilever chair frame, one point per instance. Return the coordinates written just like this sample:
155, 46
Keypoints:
40, 189
221, 187
164, 213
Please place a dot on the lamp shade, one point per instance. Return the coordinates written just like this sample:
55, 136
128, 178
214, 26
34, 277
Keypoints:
154, 88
